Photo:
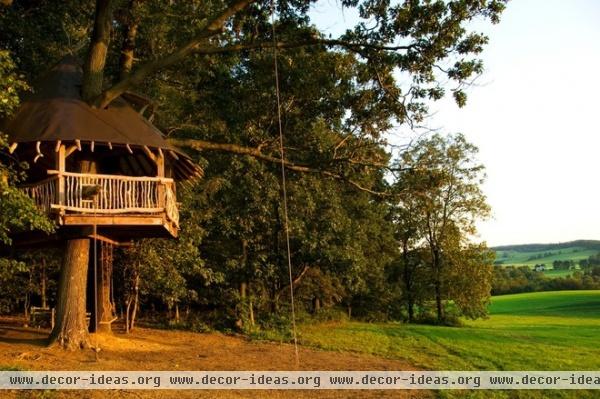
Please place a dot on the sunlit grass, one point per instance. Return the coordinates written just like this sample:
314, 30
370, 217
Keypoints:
533, 331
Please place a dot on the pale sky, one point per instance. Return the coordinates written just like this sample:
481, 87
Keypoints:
534, 116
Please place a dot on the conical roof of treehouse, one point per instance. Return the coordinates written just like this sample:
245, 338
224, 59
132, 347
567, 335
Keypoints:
55, 111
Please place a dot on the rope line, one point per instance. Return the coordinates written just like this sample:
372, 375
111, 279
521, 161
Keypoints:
283, 183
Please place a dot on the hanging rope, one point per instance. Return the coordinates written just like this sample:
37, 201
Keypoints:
95, 279
283, 184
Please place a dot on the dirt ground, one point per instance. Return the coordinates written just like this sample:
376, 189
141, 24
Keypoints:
150, 349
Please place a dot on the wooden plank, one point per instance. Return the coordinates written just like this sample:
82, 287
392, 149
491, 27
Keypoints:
107, 211
129, 220
113, 177
107, 240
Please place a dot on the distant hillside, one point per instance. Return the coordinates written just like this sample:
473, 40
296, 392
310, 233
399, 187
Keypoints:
546, 254
587, 244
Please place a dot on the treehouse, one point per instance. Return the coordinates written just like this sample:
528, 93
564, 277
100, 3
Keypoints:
107, 173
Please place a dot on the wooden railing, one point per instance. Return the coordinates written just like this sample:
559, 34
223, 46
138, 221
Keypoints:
105, 194
43, 193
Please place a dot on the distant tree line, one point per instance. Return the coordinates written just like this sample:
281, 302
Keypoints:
512, 280
584, 244
591, 261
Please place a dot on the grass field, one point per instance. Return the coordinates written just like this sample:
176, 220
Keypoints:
533, 331
524, 258
558, 273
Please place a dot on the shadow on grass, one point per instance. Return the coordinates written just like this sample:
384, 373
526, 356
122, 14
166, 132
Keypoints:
23, 335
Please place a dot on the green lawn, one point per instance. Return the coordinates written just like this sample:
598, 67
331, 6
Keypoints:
533, 331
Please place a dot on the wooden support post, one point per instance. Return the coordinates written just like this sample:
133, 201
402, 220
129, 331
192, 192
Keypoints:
160, 172
60, 166
149, 153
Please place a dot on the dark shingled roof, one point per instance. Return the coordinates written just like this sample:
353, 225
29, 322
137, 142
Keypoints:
55, 111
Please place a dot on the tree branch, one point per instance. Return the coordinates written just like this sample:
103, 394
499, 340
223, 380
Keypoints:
199, 45
301, 43
295, 281
256, 153
212, 28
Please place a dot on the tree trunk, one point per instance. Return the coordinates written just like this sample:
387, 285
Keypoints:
239, 323
129, 36
93, 69
127, 315
70, 329
44, 284
316, 305
135, 303
437, 262
243, 290
251, 311
408, 277
438, 302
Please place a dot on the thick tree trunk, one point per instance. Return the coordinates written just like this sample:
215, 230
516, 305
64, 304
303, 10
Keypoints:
93, 69
70, 329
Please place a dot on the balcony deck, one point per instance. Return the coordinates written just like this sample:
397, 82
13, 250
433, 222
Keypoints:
122, 207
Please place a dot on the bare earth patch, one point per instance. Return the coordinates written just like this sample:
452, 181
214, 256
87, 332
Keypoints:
149, 349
